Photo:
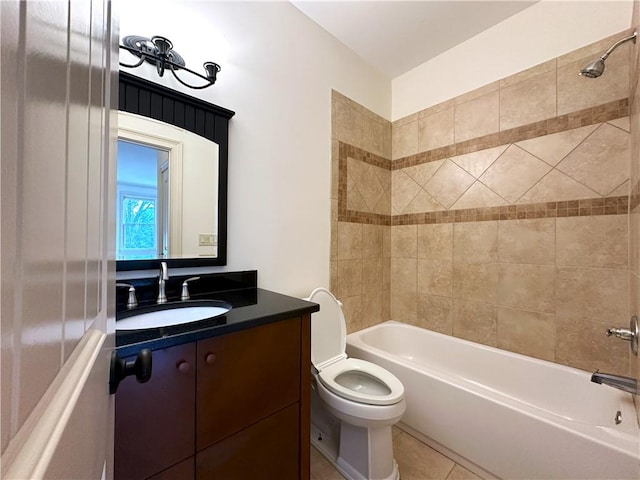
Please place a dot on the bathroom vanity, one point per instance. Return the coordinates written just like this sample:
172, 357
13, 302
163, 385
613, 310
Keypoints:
228, 397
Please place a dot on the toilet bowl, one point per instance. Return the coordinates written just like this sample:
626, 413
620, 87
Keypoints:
364, 397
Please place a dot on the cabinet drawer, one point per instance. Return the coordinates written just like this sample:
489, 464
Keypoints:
267, 450
244, 377
155, 421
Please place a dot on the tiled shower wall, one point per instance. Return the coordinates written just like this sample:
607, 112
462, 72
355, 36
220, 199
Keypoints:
634, 200
499, 216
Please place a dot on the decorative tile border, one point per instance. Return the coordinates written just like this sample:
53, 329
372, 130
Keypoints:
588, 116
618, 205
571, 208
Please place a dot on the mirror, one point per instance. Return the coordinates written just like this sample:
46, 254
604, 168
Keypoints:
178, 211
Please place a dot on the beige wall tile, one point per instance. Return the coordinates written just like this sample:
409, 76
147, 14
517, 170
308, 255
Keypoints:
404, 306
335, 156
386, 274
372, 309
596, 241
592, 296
553, 148
529, 73
477, 162
588, 348
349, 240
515, 172
372, 243
434, 313
557, 187
634, 242
475, 242
477, 93
404, 275
439, 107
435, 241
527, 287
404, 241
527, 241
404, 140
423, 202
346, 123
349, 278
528, 333
435, 130
435, 277
404, 190
528, 101
376, 137
448, 183
372, 275
476, 322
475, 282
601, 161
576, 92
477, 117
422, 173
352, 310
333, 253
622, 123
479, 196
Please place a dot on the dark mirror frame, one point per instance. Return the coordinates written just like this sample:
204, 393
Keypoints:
148, 99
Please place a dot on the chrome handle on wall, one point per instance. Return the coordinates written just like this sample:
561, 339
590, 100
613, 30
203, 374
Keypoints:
630, 334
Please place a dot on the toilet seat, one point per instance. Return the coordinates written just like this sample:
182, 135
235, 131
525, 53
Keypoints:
367, 377
356, 380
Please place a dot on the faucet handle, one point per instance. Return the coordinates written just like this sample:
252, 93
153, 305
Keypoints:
630, 334
185, 288
132, 301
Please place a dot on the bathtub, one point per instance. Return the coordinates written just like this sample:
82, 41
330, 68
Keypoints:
501, 414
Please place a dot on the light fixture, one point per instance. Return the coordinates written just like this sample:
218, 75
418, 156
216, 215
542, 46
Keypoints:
159, 51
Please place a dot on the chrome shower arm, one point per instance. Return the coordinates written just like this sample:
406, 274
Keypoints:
617, 44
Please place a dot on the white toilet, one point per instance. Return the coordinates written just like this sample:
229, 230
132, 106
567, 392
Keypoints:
365, 398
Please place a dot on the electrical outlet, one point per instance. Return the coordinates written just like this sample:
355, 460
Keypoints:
206, 240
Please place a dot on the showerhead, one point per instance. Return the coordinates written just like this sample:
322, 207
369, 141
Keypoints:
596, 68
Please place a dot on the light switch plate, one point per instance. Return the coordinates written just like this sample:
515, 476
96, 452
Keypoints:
206, 240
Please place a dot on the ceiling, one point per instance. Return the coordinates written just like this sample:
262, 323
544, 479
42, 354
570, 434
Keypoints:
395, 35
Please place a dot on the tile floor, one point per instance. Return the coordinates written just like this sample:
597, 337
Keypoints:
416, 461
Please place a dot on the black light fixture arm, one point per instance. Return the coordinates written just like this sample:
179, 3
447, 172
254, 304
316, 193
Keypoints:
159, 52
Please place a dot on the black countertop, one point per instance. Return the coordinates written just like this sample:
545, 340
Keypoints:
251, 307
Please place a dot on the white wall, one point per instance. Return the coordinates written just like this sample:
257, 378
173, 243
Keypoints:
543, 31
277, 77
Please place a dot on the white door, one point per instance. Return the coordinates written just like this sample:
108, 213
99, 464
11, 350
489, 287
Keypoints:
58, 79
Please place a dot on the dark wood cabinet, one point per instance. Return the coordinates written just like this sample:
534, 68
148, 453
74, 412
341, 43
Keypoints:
155, 421
231, 407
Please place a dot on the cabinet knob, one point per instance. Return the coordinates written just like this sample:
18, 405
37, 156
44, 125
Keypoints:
210, 359
183, 367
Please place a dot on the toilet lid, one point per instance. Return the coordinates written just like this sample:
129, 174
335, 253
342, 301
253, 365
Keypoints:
328, 329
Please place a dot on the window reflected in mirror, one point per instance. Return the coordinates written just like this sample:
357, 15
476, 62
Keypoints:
141, 213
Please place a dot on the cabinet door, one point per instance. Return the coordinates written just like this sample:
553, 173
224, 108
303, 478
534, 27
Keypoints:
267, 450
155, 421
181, 471
244, 377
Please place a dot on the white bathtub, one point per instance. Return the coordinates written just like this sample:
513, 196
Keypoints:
502, 414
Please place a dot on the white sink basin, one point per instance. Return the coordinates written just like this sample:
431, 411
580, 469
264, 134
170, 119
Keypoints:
166, 317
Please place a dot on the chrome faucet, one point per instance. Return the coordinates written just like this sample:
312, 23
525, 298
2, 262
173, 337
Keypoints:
162, 278
132, 301
626, 384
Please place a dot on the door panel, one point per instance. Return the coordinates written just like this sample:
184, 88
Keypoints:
55, 305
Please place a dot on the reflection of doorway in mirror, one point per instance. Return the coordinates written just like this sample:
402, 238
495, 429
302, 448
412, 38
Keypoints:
142, 205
